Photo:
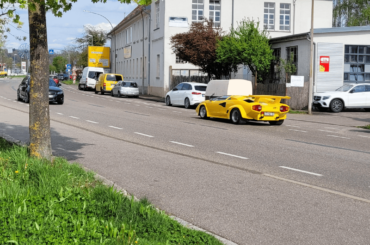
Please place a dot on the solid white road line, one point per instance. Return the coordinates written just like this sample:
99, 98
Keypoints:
227, 154
298, 130
338, 136
91, 121
144, 135
60, 113
74, 117
364, 136
115, 127
302, 171
181, 144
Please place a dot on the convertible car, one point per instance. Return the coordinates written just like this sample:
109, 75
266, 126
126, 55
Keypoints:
250, 108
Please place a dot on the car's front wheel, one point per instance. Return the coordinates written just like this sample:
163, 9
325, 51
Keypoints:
26, 98
61, 101
336, 105
168, 101
235, 116
187, 103
203, 112
19, 96
276, 122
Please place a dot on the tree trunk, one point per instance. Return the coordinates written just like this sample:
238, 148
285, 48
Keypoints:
39, 117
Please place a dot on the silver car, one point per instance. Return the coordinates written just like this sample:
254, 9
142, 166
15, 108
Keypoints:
125, 88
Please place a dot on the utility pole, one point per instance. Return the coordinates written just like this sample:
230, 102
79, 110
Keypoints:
310, 86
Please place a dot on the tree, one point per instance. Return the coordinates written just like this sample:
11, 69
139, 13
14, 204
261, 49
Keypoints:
52, 69
198, 46
287, 67
39, 118
93, 36
59, 62
246, 45
352, 12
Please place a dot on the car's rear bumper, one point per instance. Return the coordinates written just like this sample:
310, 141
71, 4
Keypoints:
129, 93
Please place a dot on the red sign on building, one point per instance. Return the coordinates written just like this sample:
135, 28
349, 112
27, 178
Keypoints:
324, 63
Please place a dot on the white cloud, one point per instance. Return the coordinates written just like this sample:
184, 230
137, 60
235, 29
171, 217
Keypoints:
70, 38
103, 26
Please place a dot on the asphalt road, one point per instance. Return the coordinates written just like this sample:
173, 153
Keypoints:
305, 182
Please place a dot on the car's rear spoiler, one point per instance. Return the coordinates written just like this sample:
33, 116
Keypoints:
276, 99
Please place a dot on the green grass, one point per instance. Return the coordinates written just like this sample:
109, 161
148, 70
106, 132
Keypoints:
20, 76
44, 202
297, 112
365, 127
70, 82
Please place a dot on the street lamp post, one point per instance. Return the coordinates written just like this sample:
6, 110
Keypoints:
14, 63
115, 37
310, 86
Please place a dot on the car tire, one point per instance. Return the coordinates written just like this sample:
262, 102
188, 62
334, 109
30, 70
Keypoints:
187, 103
85, 88
61, 101
203, 112
111, 93
119, 94
96, 91
367, 109
26, 98
101, 91
79, 87
278, 123
235, 116
168, 101
18, 96
336, 106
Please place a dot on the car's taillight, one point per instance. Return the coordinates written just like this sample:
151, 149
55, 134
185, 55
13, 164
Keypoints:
196, 93
284, 108
104, 84
257, 108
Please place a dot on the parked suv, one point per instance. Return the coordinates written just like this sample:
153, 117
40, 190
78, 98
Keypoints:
347, 96
186, 94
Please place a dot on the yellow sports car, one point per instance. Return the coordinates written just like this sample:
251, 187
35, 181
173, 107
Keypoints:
238, 108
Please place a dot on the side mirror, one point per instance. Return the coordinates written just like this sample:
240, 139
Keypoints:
175, 89
352, 91
59, 84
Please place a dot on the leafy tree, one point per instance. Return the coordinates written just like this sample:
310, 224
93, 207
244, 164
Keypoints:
353, 12
287, 67
59, 62
198, 46
52, 68
39, 117
93, 37
247, 45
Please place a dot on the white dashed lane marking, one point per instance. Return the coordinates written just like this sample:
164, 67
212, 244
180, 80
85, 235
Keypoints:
302, 171
74, 117
91, 121
115, 127
146, 135
298, 130
335, 136
230, 155
60, 113
178, 143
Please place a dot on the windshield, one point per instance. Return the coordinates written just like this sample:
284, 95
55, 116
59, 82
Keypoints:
345, 88
52, 83
201, 88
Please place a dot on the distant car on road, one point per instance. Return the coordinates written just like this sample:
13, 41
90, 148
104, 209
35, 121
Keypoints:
55, 78
89, 78
186, 94
61, 76
106, 82
55, 93
250, 108
125, 88
347, 96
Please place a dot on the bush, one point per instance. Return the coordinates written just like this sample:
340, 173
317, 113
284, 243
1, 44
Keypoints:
60, 203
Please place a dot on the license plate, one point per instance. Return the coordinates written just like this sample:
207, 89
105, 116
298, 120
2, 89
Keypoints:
269, 114
51, 96
203, 95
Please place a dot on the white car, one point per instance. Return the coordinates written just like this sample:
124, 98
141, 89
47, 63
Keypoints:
90, 75
347, 96
186, 94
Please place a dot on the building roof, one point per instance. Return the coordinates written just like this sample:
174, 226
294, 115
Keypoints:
130, 16
320, 31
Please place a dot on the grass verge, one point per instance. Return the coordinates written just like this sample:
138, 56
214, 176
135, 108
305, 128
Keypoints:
20, 76
70, 82
297, 112
365, 127
57, 202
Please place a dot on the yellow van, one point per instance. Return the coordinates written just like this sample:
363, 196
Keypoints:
106, 82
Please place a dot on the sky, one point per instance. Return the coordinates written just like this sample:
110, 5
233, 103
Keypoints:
63, 31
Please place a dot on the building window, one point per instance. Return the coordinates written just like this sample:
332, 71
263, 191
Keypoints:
158, 66
275, 65
284, 17
357, 64
269, 16
293, 51
179, 61
197, 10
215, 12
157, 15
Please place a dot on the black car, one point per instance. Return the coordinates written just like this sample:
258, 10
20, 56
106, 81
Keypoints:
56, 94
61, 77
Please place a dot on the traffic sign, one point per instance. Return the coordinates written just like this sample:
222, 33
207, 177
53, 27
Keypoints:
69, 66
51, 51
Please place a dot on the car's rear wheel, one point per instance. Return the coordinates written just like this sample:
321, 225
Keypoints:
276, 122
336, 105
85, 88
235, 116
187, 103
79, 87
168, 101
119, 94
101, 91
367, 109
96, 91
203, 112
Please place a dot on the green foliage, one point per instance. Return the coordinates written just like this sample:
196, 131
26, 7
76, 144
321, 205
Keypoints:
247, 45
93, 36
286, 67
59, 62
354, 12
52, 68
60, 203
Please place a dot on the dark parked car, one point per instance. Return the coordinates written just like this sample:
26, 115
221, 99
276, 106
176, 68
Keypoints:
61, 77
56, 94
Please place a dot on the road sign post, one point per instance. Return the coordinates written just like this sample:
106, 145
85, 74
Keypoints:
51, 51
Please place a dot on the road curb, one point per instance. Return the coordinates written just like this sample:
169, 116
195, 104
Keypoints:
125, 193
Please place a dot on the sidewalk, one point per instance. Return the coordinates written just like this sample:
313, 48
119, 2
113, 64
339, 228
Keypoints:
151, 98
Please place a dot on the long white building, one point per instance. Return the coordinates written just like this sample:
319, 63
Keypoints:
152, 27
